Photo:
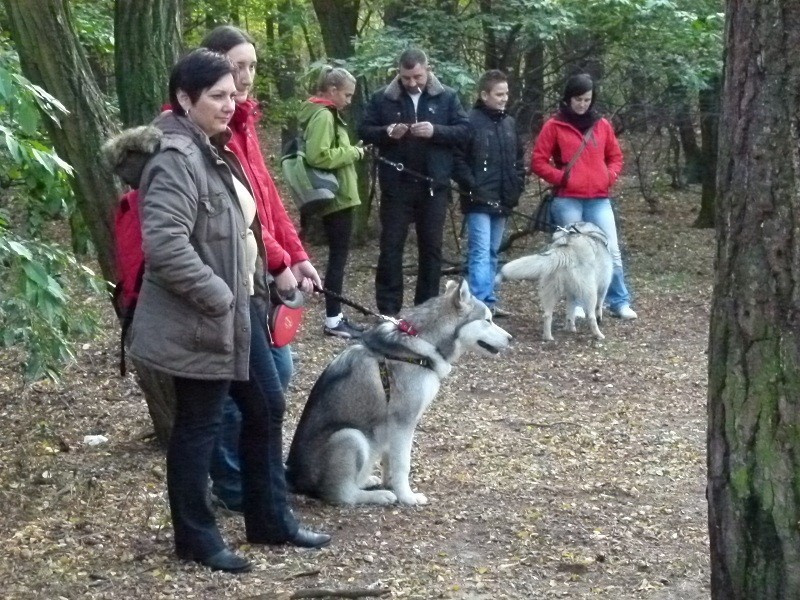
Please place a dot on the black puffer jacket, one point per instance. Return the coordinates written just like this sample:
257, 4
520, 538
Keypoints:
491, 166
433, 157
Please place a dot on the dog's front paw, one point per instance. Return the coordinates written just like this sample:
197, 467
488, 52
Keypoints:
413, 499
382, 497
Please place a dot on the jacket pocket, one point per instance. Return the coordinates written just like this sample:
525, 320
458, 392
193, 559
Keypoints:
215, 334
213, 217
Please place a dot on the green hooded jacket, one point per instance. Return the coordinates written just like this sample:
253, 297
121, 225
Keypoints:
316, 119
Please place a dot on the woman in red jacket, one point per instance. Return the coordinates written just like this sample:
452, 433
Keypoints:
287, 261
582, 194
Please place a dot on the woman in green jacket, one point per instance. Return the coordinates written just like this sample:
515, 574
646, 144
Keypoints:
328, 147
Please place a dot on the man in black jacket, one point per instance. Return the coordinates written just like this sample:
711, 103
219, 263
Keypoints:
417, 121
492, 170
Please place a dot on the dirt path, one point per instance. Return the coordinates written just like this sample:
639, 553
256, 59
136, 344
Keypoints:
573, 469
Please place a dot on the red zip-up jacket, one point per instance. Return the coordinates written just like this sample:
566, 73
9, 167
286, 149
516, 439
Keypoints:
596, 169
277, 230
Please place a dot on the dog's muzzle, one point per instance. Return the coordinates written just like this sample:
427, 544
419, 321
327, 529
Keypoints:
488, 347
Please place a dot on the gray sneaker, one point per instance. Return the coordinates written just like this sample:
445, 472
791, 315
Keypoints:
344, 329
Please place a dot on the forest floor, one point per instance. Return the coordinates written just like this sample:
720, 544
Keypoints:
573, 469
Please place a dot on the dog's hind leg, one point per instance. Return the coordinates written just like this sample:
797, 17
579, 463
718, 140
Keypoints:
349, 465
548, 305
591, 299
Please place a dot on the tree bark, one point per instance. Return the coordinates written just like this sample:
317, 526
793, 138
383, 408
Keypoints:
147, 41
754, 349
60, 67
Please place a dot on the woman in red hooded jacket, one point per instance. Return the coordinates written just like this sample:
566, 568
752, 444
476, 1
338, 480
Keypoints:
582, 194
287, 261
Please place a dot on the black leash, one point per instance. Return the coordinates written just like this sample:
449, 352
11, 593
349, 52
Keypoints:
401, 168
401, 324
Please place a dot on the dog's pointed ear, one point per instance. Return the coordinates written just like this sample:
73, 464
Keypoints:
460, 293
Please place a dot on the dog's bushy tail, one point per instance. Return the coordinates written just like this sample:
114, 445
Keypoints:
533, 267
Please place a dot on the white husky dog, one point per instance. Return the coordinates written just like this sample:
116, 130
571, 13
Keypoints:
365, 406
577, 265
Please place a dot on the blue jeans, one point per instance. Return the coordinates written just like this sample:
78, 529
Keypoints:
267, 516
226, 470
484, 233
571, 210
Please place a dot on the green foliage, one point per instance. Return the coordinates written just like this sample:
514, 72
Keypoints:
26, 160
36, 312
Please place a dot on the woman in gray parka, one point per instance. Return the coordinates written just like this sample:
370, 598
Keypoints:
196, 318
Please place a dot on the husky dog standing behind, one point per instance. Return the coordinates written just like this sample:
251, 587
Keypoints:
365, 406
577, 265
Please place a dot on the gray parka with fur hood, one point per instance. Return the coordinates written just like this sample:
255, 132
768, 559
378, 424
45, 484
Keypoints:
192, 317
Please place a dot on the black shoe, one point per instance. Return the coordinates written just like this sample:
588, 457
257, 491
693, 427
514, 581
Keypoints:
227, 561
344, 329
305, 538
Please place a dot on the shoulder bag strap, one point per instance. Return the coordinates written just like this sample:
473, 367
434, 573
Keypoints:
577, 155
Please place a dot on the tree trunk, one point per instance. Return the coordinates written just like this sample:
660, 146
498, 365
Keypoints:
147, 40
754, 350
530, 116
685, 125
709, 132
51, 57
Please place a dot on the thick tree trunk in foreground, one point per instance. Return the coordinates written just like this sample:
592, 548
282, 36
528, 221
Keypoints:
147, 38
51, 57
754, 359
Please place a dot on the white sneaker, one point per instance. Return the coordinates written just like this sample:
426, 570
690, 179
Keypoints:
579, 313
626, 313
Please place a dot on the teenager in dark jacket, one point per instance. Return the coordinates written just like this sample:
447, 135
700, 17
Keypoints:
584, 194
419, 122
492, 171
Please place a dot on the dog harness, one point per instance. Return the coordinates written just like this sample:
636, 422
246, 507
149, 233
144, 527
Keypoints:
383, 369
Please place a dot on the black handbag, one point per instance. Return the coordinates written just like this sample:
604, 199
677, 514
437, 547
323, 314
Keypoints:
542, 219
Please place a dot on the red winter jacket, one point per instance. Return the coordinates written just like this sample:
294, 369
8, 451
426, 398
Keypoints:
596, 169
280, 237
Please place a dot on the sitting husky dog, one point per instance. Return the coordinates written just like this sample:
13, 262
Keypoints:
577, 265
366, 404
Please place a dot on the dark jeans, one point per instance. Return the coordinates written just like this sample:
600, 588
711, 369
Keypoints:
338, 229
414, 204
267, 516
226, 468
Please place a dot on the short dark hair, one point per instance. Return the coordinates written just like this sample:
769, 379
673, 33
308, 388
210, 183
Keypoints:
490, 79
411, 57
221, 39
196, 71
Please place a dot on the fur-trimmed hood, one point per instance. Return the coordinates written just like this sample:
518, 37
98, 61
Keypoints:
128, 152
394, 90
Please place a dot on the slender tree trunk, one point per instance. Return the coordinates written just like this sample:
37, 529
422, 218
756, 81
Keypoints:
530, 116
683, 122
709, 132
51, 57
754, 349
147, 40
